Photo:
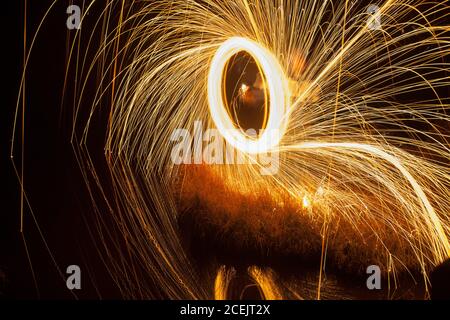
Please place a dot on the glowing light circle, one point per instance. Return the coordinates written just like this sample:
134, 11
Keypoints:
279, 96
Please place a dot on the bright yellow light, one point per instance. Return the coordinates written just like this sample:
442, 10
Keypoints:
278, 87
306, 203
350, 138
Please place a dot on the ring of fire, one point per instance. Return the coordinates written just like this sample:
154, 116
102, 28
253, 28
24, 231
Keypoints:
277, 85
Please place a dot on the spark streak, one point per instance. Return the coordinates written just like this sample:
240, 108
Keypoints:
381, 142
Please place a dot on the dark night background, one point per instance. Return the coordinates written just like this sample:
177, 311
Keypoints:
55, 188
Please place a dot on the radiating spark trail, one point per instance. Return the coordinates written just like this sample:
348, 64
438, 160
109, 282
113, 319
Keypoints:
375, 103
